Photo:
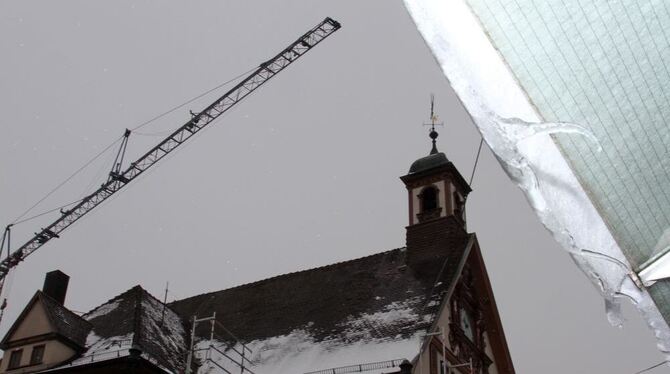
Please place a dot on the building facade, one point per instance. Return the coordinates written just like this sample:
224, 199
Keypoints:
426, 308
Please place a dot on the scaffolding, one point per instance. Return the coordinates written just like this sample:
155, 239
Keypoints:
219, 353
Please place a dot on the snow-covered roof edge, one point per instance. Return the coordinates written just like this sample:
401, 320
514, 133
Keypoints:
502, 111
136, 318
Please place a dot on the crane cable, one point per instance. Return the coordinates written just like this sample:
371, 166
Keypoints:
8, 281
192, 99
20, 219
16, 221
46, 212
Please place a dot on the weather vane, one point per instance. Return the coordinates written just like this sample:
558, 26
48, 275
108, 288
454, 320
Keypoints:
433, 122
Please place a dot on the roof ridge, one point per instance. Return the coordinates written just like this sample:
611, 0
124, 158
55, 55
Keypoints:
113, 299
71, 326
147, 293
134, 289
57, 304
137, 316
255, 283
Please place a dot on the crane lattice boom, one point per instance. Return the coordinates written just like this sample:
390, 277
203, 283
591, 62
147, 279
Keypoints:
117, 180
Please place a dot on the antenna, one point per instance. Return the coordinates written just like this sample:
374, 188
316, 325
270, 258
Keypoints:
167, 285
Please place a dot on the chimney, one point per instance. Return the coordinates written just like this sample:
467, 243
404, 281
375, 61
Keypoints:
55, 285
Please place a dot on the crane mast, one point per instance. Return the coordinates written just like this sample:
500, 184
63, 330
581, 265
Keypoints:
118, 179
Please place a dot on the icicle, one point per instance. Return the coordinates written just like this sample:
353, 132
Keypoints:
503, 136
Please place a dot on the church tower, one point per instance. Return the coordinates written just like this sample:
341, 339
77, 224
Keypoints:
436, 194
436, 188
467, 335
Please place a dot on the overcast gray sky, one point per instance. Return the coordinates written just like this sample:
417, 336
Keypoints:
303, 173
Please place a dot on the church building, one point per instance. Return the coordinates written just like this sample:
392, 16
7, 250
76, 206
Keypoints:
424, 308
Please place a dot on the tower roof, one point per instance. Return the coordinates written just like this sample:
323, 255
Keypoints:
431, 161
435, 162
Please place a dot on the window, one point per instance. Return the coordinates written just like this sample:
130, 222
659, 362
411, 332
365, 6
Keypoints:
436, 360
428, 199
37, 354
429, 204
15, 359
459, 209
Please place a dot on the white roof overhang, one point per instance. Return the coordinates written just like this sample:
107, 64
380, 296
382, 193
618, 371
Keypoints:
572, 101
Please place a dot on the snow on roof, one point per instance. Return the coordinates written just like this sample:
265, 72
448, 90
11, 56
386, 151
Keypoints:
135, 319
371, 309
299, 353
102, 310
65, 321
100, 349
374, 308
162, 333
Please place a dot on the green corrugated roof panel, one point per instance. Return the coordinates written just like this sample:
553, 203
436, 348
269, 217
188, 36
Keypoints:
601, 64
604, 65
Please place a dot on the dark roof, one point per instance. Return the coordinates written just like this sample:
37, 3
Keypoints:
154, 328
330, 302
354, 301
123, 364
348, 302
65, 323
429, 162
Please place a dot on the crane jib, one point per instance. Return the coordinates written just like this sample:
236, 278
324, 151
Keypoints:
118, 180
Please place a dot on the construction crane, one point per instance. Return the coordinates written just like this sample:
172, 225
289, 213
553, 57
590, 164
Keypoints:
119, 178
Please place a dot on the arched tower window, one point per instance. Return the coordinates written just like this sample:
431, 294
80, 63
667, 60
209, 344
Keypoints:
429, 203
428, 199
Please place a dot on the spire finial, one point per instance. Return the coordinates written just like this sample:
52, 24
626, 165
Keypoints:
433, 119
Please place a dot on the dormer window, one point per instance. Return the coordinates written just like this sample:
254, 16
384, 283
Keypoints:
15, 359
430, 207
